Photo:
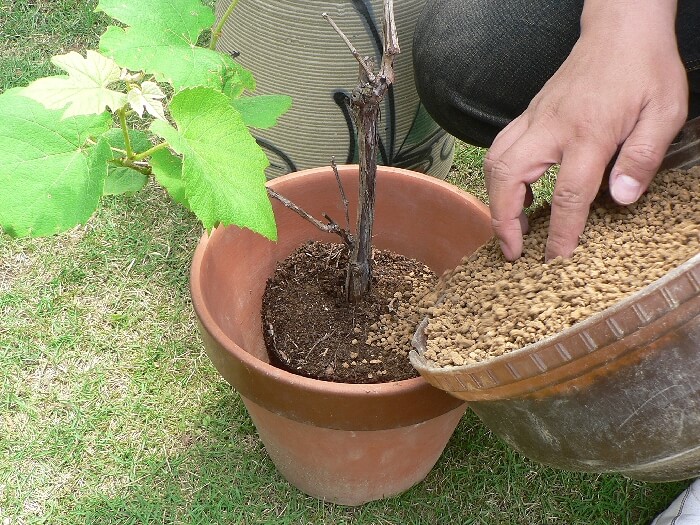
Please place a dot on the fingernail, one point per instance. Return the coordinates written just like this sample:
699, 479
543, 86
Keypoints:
625, 189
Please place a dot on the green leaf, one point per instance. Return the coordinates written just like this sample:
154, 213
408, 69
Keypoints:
50, 179
238, 79
162, 40
182, 17
167, 169
85, 90
262, 111
223, 167
121, 179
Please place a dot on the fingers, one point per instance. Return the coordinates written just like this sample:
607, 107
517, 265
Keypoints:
504, 140
579, 178
514, 162
641, 155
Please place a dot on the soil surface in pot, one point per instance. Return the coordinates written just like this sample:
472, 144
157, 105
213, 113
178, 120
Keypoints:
310, 330
489, 307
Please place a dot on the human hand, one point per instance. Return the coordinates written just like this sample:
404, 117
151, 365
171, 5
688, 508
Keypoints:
623, 89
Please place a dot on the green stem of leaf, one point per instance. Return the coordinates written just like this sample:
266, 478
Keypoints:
140, 166
125, 131
216, 31
150, 151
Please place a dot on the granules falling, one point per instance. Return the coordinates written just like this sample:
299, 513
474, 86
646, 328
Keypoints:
489, 307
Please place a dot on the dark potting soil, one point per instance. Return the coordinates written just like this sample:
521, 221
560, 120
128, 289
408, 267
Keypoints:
312, 331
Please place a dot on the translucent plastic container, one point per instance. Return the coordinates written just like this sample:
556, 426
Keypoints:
618, 392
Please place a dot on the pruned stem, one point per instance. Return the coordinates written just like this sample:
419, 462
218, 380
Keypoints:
358, 57
391, 42
346, 204
365, 103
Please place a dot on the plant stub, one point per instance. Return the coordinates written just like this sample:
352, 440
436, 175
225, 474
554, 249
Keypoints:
357, 305
365, 103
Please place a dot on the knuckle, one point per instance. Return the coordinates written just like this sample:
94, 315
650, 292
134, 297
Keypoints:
678, 112
499, 170
498, 225
569, 198
503, 227
489, 160
545, 109
555, 243
644, 156
586, 127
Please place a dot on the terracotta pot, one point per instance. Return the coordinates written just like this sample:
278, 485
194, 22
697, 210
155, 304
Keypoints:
292, 50
343, 443
618, 392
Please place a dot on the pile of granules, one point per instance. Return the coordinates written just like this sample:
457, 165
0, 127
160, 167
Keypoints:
488, 307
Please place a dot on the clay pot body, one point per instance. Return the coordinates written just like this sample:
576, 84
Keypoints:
291, 50
343, 443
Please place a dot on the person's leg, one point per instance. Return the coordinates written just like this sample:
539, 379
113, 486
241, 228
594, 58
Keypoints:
687, 28
478, 63
685, 509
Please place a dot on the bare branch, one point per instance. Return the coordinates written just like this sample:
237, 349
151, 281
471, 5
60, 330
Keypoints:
344, 234
358, 57
365, 103
391, 42
346, 204
331, 227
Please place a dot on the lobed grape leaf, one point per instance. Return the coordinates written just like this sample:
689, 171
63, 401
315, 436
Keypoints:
50, 178
161, 39
262, 111
223, 168
121, 179
85, 90
183, 17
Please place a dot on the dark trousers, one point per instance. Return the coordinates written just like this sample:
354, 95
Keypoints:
479, 63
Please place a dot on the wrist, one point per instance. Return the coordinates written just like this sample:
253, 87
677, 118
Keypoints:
637, 16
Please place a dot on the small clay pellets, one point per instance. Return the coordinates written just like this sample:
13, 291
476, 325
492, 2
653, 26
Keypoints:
488, 307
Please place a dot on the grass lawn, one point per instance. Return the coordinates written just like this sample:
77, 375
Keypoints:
110, 412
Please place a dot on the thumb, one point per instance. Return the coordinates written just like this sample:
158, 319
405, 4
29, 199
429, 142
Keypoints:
640, 157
